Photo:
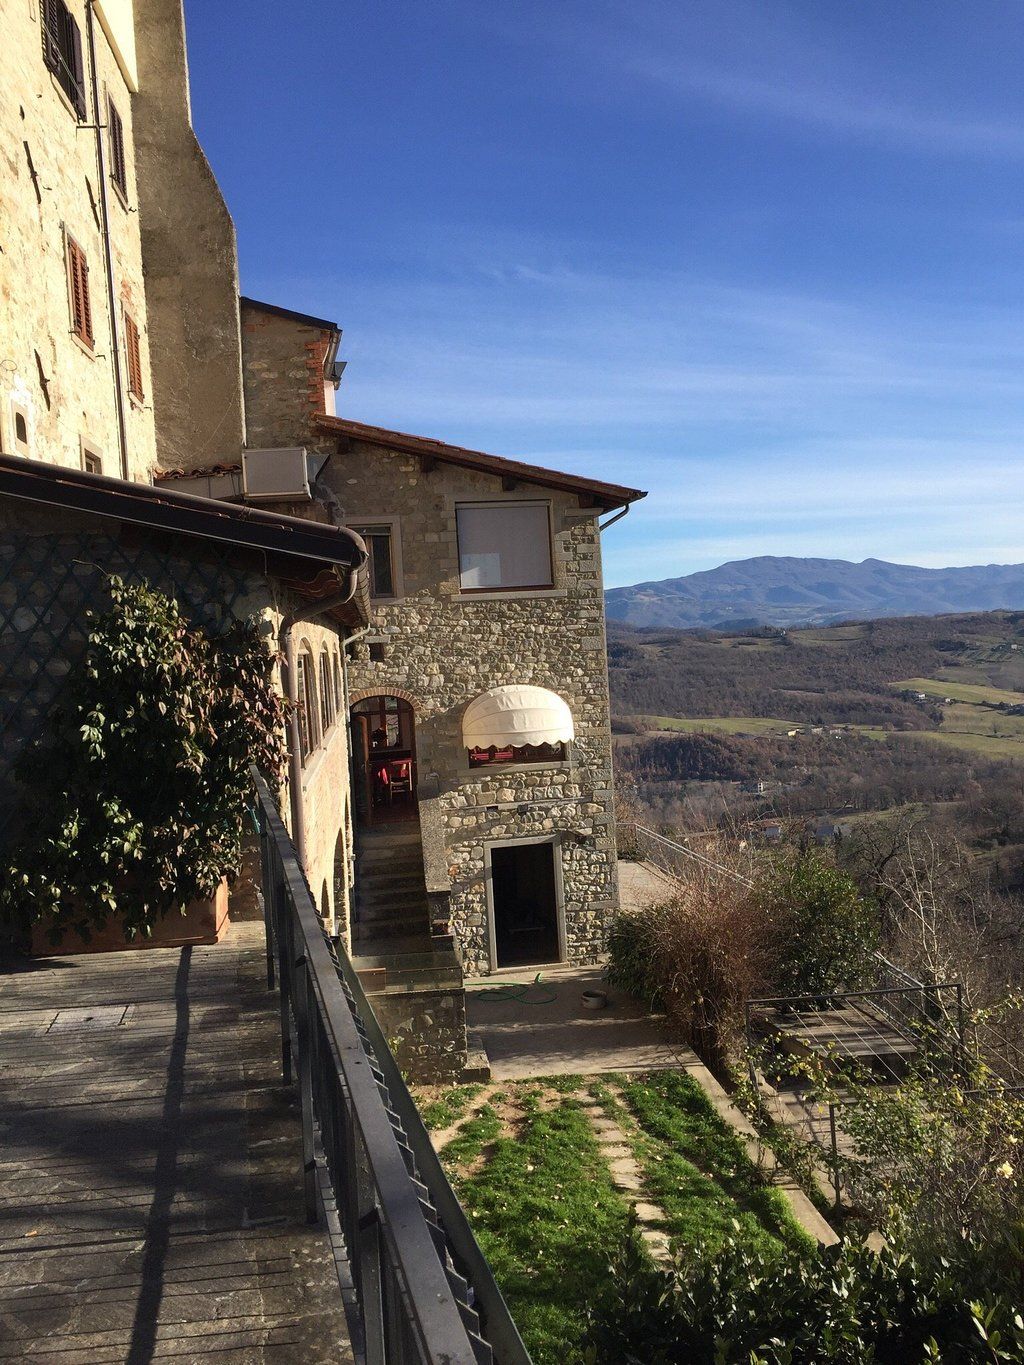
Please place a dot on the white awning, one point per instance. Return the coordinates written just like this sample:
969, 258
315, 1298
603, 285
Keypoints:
514, 716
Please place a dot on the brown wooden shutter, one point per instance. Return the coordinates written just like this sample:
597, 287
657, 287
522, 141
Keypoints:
78, 285
133, 351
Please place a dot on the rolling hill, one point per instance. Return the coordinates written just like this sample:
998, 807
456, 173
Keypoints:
777, 591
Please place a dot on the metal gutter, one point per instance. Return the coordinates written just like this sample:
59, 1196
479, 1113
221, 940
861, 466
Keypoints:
139, 504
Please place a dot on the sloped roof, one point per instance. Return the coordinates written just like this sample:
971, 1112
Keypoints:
304, 553
606, 495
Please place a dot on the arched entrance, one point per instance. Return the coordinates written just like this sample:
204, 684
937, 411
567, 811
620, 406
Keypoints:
384, 757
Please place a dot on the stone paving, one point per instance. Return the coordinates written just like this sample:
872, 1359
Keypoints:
150, 1205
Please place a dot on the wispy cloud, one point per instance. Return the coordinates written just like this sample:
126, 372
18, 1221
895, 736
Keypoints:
829, 108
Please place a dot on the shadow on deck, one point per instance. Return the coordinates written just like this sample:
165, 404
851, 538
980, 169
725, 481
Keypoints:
150, 1196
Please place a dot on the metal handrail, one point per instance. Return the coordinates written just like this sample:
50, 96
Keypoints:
692, 853
415, 1304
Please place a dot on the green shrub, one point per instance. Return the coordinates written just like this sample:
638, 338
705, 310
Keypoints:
845, 1306
826, 930
137, 798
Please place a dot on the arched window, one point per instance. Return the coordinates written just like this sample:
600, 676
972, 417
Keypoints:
326, 692
309, 717
339, 699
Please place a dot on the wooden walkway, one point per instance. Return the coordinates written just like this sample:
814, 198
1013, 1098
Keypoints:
150, 1203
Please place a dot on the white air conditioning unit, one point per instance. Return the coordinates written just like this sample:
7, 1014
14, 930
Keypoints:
283, 475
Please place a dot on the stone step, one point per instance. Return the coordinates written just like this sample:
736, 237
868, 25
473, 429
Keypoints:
397, 880
382, 913
406, 860
407, 928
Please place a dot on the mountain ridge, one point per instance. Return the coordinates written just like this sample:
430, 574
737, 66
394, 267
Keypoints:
787, 590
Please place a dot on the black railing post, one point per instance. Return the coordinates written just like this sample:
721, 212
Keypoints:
304, 1060
267, 887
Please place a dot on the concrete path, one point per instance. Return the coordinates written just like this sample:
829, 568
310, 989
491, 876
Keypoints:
150, 1206
549, 1033
642, 884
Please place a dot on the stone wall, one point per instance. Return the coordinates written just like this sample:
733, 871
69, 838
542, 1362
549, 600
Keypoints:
426, 1031
191, 259
52, 187
284, 376
441, 648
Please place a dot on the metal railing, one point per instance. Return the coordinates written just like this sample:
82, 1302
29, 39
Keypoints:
425, 1293
668, 855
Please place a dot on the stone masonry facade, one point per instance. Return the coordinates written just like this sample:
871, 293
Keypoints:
442, 648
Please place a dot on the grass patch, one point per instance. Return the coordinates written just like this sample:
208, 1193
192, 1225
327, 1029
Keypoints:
449, 1106
471, 1139
547, 1215
959, 691
723, 725
697, 1168
990, 746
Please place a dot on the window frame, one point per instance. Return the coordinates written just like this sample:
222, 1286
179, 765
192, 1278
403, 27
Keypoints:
494, 505
392, 525
22, 448
92, 458
308, 705
522, 757
328, 713
116, 150
79, 293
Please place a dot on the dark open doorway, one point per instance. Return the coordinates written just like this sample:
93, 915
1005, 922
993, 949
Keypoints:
384, 755
525, 899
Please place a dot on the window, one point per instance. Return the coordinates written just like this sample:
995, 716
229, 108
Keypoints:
309, 736
326, 693
339, 699
62, 51
19, 421
504, 545
133, 355
115, 133
92, 462
381, 565
78, 293
523, 753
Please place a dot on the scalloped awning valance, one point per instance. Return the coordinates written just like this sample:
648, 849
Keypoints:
514, 716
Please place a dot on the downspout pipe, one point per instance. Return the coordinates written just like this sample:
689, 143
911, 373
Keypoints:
603, 525
108, 256
286, 642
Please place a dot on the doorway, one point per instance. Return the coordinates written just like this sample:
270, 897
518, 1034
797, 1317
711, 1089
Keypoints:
525, 895
384, 757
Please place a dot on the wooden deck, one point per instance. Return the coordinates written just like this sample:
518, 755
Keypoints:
150, 1204
851, 1032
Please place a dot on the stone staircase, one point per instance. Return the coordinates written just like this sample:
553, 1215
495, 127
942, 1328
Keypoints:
391, 914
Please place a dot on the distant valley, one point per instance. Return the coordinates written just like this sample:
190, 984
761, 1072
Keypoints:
784, 591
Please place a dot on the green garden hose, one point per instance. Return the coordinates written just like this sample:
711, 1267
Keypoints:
518, 991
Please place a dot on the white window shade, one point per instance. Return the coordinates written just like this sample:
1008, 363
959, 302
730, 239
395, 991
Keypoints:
504, 545
511, 717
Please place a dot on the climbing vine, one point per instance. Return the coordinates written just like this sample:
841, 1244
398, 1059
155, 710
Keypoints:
136, 798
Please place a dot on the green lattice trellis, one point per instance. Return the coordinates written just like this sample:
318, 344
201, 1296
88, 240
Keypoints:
48, 584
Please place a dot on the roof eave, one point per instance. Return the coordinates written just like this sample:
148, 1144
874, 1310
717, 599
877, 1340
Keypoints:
605, 497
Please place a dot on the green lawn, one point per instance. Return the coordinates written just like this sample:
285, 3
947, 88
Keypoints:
697, 1168
540, 1197
546, 1214
449, 1106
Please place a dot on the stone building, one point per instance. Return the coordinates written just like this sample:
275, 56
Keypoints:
478, 699
120, 354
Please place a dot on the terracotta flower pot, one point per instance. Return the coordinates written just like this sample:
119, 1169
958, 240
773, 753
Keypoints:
203, 922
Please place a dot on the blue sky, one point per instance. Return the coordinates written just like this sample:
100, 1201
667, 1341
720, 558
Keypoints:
764, 260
